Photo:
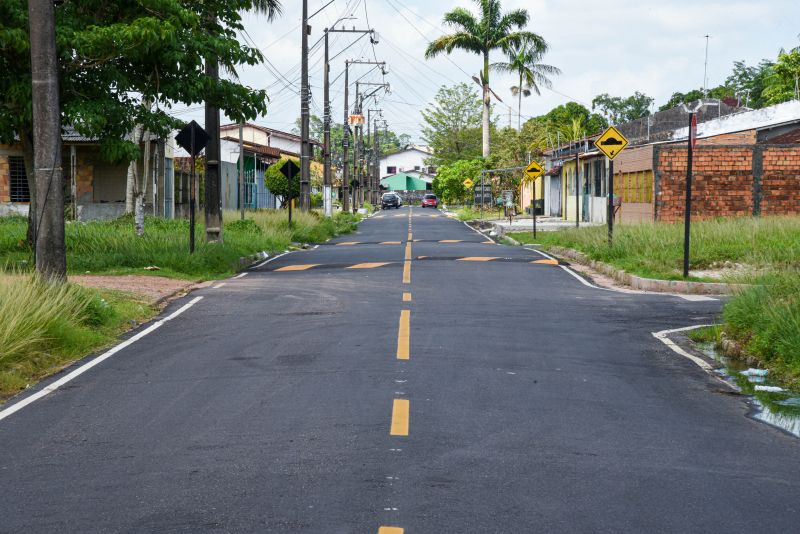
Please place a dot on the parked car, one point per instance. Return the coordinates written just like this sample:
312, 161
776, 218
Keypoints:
390, 200
430, 201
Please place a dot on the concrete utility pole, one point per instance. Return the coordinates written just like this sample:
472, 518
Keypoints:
326, 150
305, 152
213, 186
48, 219
346, 142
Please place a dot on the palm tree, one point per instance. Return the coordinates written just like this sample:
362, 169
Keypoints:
524, 61
493, 30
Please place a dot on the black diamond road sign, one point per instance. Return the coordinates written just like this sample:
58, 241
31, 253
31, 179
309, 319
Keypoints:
290, 169
184, 138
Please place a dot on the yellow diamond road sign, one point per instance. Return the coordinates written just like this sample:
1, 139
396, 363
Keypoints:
468, 183
534, 170
611, 142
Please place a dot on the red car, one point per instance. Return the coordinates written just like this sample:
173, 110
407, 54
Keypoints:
430, 201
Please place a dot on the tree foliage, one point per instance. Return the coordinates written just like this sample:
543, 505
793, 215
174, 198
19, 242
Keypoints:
449, 182
278, 184
619, 110
784, 81
452, 125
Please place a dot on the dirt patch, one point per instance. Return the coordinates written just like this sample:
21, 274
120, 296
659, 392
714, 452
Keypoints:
154, 289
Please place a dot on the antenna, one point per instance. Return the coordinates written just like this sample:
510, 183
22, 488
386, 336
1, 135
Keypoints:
705, 70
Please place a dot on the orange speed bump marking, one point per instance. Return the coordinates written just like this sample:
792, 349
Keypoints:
451, 241
487, 242
478, 258
390, 530
390, 243
346, 243
546, 262
298, 267
367, 265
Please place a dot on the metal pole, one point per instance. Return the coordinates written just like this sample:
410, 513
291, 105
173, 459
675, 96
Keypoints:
610, 215
289, 191
482, 195
577, 189
241, 171
305, 198
326, 149
192, 199
533, 208
345, 143
687, 217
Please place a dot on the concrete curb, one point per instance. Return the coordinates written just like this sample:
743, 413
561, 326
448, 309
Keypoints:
648, 284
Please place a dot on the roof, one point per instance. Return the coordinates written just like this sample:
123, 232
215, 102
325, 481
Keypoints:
789, 138
270, 131
786, 113
258, 149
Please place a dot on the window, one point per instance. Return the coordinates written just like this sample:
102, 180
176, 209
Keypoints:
599, 167
18, 180
391, 170
416, 167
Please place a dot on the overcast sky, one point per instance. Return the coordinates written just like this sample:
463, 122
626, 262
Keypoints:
602, 46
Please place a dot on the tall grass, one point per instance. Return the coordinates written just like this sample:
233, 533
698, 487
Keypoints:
656, 249
111, 247
44, 325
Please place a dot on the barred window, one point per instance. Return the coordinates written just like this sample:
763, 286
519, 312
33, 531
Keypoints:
19, 180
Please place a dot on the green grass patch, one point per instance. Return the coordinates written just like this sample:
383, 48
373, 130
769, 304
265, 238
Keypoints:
111, 247
707, 334
656, 250
45, 326
471, 213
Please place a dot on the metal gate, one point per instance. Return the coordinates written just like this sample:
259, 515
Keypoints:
555, 196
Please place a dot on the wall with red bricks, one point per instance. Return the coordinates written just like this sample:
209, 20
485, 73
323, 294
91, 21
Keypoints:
728, 181
5, 187
780, 180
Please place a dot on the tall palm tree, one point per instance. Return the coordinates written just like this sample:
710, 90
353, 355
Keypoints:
492, 30
524, 61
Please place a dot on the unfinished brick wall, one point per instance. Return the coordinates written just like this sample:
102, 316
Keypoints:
722, 183
780, 180
5, 180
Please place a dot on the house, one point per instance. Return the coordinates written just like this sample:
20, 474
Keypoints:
746, 162
406, 181
94, 188
410, 158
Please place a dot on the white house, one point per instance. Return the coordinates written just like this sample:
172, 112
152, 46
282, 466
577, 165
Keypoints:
411, 158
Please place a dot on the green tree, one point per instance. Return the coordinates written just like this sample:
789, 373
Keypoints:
124, 64
491, 31
748, 83
449, 182
525, 62
277, 183
619, 110
784, 82
453, 124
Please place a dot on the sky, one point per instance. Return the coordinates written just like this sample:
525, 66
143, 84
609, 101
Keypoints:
656, 47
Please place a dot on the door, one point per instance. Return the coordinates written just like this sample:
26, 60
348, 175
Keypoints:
169, 189
555, 196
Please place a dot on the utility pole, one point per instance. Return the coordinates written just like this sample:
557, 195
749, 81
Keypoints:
213, 186
305, 156
326, 151
346, 142
49, 247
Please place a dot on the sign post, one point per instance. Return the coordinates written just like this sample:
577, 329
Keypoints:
611, 143
533, 171
193, 139
289, 170
687, 217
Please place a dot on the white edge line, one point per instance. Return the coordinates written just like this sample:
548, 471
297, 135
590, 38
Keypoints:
271, 259
95, 361
219, 285
240, 276
663, 337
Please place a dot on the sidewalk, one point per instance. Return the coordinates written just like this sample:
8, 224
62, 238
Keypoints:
543, 224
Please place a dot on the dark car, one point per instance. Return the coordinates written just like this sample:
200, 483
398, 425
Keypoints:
390, 200
430, 201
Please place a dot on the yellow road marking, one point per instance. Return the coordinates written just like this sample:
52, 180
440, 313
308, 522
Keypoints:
399, 417
546, 262
367, 265
407, 272
451, 241
297, 267
409, 236
477, 258
487, 242
390, 530
403, 335
346, 243
390, 243
406, 297
408, 251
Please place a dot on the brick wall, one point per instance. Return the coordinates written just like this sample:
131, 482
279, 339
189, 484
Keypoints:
780, 181
747, 137
722, 184
5, 187
728, 181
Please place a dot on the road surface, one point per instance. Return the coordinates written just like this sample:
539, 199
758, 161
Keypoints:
399, 380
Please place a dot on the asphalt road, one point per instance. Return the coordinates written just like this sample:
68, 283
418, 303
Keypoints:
346, 389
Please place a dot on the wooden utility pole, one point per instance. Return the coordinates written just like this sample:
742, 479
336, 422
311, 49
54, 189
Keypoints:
49, 247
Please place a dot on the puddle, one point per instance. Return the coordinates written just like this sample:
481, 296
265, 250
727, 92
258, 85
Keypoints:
773, 404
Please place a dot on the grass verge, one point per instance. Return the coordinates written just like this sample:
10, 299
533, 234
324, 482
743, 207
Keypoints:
111, 247
656, 250
45, 326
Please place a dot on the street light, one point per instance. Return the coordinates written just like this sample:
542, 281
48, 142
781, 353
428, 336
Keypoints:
687, 216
